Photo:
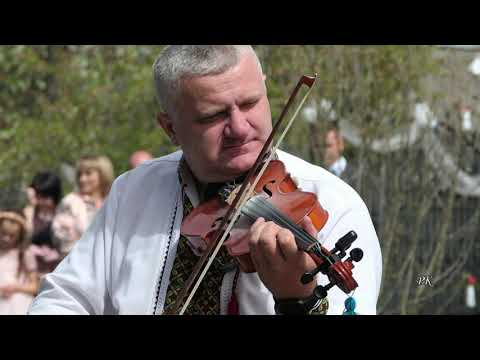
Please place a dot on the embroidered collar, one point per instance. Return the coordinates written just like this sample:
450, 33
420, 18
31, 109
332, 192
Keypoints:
193, 189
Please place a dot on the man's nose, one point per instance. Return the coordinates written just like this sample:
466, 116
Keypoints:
238, 125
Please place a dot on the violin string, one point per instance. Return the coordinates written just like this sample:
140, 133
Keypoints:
271, 214
298, 232
304, 240
307, 239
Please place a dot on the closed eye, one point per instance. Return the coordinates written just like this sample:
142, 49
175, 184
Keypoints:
213, 117
249, 104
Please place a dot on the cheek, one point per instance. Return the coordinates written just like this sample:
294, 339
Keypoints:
261, 120
96, 180
204, 141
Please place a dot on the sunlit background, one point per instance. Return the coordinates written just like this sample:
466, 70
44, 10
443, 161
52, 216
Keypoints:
409, 116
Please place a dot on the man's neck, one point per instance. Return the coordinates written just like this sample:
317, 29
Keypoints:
204, 190
208, 190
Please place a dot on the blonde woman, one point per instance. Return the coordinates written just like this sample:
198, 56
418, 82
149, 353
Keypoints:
76, 211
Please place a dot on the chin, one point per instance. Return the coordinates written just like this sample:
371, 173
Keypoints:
241, 164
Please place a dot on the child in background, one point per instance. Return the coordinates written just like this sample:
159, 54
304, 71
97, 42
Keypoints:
18, 286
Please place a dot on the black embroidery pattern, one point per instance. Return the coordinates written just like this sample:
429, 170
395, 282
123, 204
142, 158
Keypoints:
165, 259
206, 300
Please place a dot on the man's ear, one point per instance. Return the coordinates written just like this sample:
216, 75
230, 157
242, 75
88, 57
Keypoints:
166, 123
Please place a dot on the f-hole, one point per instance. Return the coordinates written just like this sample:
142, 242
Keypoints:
270, 194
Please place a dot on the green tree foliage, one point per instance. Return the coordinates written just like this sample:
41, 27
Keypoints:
61, 102
372, 86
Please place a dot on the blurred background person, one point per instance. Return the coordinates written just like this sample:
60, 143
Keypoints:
139, 157
44, 195
94, 177
334, 160
18, 285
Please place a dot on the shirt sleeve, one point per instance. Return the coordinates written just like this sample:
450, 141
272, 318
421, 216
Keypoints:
367, 272
79, 285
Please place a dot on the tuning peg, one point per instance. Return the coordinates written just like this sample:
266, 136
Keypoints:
309, 276
344, 243
321, 291
356, 255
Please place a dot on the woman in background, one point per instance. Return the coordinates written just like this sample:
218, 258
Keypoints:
94, 177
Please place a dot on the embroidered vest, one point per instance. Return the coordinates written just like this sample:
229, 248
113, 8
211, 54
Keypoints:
206, 300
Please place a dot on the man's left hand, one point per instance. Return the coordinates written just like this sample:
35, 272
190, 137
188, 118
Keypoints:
278, 260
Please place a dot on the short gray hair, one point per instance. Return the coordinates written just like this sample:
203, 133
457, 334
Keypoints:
177, 62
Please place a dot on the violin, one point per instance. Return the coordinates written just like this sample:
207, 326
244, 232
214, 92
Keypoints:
276, 198
268, 191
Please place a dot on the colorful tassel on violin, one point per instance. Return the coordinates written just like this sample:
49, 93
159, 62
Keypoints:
350, 304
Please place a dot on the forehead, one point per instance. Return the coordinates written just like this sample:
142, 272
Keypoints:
86, 167
243, 80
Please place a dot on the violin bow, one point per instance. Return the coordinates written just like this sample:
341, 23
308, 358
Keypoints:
207, 258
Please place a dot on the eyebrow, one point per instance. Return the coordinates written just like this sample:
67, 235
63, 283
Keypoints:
251, 99
208, 115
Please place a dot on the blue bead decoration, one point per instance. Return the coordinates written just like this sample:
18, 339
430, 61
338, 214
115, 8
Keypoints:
350, 306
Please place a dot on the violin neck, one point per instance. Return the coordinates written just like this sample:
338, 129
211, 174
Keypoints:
258, 207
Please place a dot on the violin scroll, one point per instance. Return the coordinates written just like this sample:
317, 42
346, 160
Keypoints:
339, 272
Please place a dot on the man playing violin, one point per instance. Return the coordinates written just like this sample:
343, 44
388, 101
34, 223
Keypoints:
133, 258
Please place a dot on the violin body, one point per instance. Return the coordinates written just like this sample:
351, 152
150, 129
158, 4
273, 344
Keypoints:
278, 188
